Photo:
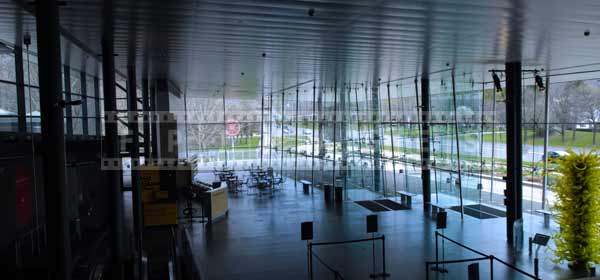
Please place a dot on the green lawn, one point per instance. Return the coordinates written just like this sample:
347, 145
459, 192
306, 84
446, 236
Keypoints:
583, 139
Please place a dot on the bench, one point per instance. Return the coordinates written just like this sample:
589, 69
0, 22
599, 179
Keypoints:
305, 185
435, 208
406, 198
547, 214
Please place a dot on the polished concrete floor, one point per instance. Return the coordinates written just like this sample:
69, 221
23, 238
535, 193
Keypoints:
260, 239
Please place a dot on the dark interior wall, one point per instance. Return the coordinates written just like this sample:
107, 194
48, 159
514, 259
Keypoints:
88, 199
19, 203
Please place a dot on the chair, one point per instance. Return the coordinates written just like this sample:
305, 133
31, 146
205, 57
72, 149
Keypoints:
251, 183
264, 186
245, 183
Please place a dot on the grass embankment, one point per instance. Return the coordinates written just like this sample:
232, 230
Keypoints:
583, 139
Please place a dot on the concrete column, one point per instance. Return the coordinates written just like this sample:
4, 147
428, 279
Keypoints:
111, 139
514, 153
53, 140
135, 157
166, 133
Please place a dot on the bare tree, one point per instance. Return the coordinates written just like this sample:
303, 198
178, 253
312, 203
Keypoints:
564, 102
205, 117
589, 104
533, 112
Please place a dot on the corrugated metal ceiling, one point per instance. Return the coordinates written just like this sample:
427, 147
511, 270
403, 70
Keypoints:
202, 44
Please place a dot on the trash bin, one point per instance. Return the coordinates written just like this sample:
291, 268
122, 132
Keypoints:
327, 190
339, 193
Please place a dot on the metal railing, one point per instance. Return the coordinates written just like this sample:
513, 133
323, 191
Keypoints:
336, 273
491, 258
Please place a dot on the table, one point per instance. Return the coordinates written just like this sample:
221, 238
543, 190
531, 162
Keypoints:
305, 185
406, 198
215, 204
235, 184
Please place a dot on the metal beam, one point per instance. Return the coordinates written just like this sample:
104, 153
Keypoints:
112, 141
53, 140
546, 135
459, 170
334, 130
296, 141
153, 122
376, 141
147, 118
135, 157
312, 166
425, 140
262, 121
392, 136
514, 152
344, 135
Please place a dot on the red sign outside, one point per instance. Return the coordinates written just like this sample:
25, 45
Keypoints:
232, 127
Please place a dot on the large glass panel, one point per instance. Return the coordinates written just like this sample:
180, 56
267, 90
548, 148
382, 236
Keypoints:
8, 107
8, 94
7, 67
91, 105
76, 111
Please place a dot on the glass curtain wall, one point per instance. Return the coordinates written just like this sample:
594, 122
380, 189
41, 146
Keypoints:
373, 132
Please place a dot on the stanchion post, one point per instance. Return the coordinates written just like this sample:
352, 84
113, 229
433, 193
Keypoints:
308, 257
436, 251
374, 274
383, 255
383, 274
443, 254
536, 268
310, 260
427, 270
491, 267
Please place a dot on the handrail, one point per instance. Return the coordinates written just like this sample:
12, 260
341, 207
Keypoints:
460, 244
459, 260
516, 268
310, 245
490, 258
484, 256
336, 273
345, 241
